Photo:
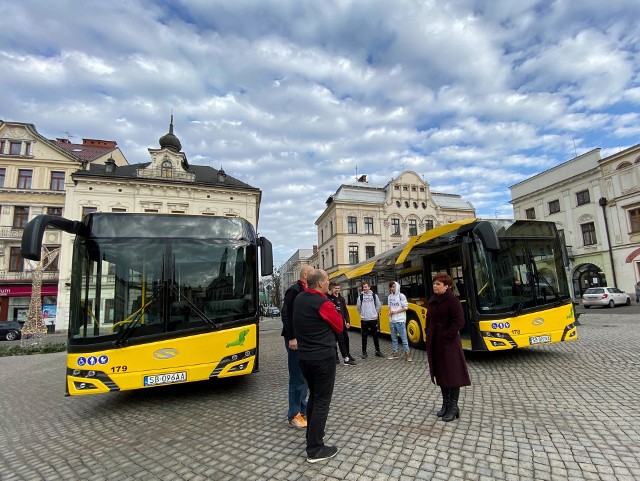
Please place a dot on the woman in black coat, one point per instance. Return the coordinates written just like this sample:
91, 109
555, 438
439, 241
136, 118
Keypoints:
447, 365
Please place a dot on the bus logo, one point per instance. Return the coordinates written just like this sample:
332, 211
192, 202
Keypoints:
166, 353
538, 321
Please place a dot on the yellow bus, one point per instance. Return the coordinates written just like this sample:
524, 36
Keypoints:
157, 299
510, 276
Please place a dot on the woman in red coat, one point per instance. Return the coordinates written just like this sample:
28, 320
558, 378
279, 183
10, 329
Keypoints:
447, 365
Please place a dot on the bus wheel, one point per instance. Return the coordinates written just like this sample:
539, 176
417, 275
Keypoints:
415, 335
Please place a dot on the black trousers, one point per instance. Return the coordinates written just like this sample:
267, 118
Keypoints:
367, 328
343, 342
320, 376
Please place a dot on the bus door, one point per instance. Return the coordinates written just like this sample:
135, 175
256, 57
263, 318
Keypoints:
450, 261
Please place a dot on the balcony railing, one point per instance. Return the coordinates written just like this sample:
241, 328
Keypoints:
27, 275
7, 232
160, 174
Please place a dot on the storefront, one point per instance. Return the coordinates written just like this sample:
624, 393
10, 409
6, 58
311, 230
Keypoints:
14, 303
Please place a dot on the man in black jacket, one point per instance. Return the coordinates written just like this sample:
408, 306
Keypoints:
343, 338
298, 389
315, 321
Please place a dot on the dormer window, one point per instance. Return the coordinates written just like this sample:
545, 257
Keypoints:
166, 169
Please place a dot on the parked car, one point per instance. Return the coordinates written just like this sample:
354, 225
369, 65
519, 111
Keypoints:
10, 331
272, 311
605, 296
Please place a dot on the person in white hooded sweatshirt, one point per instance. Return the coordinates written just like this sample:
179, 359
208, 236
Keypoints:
398, 306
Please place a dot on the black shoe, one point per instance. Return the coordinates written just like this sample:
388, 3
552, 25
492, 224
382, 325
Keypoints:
379, 354
325, 453
364, 355
349, 362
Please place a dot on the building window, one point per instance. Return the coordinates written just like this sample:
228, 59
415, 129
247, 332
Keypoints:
398, 203
331, 228
395, 226
16, 261
588, 234
88, 210
413, 227
369, 251
421, 189
353, 254
3, 172
554, 206
109, 310
2, 144
118, 209
323, 261
333, 260
24, 179
530, 213
27, 150
20, 216
321, 236
57, 181
53, 265
634, 220
54, 211
368, 225
352, 225
582, 197
428, 224
15, 148
153, 211
396, 187
166, 169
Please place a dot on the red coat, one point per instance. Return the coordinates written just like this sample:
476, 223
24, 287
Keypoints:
445, 318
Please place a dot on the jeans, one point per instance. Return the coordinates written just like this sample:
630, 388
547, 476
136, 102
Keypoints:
297, 385
321, 376
399, 328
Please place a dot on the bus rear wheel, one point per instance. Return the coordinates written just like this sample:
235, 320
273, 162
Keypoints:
415, 335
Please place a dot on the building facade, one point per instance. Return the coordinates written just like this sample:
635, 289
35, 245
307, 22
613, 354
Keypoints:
595, 204
166, 184
290, 270
34, 175
361, 221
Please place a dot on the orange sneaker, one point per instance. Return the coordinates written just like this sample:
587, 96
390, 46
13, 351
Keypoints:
298, 421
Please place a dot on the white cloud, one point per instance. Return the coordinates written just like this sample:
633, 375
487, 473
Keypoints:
295, 98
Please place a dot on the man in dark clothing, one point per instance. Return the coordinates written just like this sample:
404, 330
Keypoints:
342, 338
315, 321
297, 384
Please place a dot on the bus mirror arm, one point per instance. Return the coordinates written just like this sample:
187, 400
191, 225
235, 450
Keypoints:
484, 231
31, 246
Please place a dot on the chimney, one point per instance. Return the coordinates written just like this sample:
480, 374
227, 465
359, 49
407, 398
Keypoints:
315, 250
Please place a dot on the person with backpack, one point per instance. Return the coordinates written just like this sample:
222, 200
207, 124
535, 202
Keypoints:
368, 306
298, 388
398, 306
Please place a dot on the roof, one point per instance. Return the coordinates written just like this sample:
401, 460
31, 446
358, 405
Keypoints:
204, 175
360, 193
450, 201
84, 151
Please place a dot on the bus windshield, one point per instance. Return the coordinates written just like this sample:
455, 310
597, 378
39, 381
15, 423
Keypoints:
126, 288
523, 274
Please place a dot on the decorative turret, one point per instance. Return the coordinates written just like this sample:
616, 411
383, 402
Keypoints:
170, 141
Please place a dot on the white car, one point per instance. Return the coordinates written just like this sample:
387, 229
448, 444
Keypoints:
605, 296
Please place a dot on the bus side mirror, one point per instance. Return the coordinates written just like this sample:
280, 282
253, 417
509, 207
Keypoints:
34, 231
266, 256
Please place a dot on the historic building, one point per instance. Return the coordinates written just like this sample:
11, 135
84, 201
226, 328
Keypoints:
361, 221
167, 184
595, 203
34, 175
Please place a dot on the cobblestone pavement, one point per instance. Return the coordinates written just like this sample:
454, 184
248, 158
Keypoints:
557, 412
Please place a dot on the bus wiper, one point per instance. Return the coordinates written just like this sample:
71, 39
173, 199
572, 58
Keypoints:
193, 307
129, 326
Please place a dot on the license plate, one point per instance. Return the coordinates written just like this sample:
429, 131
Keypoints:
539, 339
168, 378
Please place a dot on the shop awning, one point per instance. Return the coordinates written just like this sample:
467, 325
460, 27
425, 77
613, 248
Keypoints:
361, 270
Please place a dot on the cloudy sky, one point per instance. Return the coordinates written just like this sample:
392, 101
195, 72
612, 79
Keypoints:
295, 97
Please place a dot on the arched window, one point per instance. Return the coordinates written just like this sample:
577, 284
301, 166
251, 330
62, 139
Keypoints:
166, 169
